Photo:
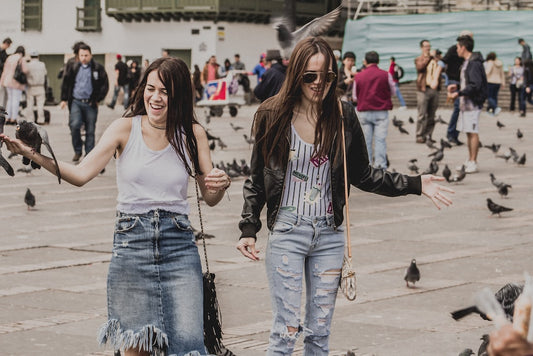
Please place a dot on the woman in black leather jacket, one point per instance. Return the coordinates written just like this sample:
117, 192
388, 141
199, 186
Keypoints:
297, 170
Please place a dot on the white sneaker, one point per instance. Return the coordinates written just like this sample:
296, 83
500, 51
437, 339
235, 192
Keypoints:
497, 111
402, 108
471, 167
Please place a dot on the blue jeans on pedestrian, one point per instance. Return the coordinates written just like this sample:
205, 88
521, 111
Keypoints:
82, 114
375, 126
492, 96
126, 101
452, 133
154, 286
399, 94
303, 247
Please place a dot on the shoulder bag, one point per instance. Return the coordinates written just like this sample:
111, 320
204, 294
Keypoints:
19, 75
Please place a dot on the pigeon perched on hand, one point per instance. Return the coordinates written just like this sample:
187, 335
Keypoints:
29, 199
495, 208
288, 38
412, 274
34, 135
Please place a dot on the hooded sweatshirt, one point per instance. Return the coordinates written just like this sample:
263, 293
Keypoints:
494, 71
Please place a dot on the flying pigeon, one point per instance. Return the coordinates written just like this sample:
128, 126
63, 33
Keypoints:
412, 274
288, 37
34, 135
506, 296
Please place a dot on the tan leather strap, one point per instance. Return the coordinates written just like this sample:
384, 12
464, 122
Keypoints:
346, 185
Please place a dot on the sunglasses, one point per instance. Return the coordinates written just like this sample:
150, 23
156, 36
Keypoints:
310, 77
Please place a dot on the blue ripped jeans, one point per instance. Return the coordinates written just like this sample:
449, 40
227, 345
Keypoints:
298, 247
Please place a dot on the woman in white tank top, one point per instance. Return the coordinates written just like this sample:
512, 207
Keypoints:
155, 277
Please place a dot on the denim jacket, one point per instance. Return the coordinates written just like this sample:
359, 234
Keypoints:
266, 181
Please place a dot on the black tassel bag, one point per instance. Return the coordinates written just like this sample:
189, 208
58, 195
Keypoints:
212, 316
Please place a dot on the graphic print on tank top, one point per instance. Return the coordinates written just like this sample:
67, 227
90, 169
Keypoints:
307, 180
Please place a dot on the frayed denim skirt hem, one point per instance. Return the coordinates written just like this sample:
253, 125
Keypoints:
154, 286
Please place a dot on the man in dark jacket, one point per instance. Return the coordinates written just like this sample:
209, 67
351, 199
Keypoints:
472, 93
273, 77
83, 87
453, 71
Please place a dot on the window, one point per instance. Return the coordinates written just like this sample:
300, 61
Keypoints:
88, 17
32, 15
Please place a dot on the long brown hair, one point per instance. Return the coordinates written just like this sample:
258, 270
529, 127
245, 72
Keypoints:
275, 139
175, 76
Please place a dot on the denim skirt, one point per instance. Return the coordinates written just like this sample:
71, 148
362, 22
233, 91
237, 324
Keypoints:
154, 286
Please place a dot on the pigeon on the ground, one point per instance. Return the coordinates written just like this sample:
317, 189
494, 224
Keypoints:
412, 274
34, 136
27, 170
212, 145
514, 154
438, 155
402, 130
506, 296
433, 168
5, 164
235, 127
505, 156
466, 352
430, 144
519, 134
460, 175
494, 147
495, 208
494, 181
444, 144
288, 37
412, 166
29, 199
482, 351
411, 120
499, 124
221, 144
198, 234
446, 173
249, 140
522, 160
503, 189
396, 122
440, 120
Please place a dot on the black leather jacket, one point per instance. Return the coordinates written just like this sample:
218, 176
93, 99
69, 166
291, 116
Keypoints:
98, 79
266, 182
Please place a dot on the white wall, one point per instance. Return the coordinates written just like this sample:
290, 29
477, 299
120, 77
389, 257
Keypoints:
134, 38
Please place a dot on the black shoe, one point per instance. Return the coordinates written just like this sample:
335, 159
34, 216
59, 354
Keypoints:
455, 141
76, 157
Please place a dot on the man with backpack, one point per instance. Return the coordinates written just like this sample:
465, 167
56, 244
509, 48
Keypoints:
397, 73
472, 93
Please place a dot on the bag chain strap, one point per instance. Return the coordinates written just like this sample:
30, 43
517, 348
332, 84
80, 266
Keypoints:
201, 223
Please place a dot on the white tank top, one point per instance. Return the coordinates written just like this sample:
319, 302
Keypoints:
148, 179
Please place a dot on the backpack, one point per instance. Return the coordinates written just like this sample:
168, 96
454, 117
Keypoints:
398, 72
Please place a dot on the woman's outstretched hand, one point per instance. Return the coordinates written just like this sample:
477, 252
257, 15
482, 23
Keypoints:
247, 247
435, 191
15, 145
